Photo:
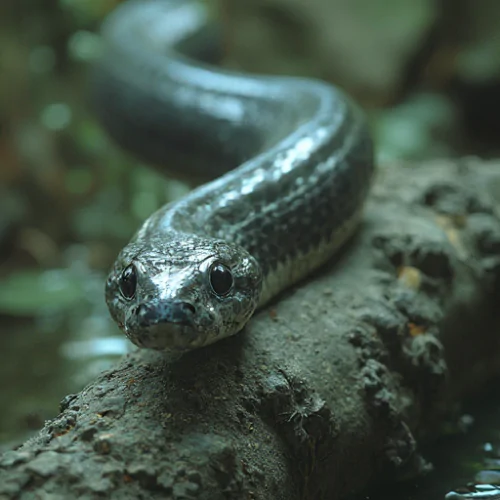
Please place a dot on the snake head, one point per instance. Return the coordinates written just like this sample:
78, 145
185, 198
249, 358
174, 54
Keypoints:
180, 292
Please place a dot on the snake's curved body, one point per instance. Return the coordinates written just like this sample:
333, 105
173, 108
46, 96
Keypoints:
303, 159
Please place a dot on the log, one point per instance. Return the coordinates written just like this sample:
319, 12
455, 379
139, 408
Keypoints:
327, 392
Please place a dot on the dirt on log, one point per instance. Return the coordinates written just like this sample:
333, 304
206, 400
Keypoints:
326, 392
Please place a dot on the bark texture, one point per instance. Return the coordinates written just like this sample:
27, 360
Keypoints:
326, 392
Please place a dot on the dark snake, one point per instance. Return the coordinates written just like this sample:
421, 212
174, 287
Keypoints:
292, 160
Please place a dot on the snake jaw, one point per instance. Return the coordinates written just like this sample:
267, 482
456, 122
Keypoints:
163, 325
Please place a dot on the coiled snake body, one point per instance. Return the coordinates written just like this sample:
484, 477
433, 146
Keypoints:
198, 268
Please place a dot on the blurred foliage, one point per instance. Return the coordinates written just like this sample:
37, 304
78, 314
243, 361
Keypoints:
69, 200
27, 293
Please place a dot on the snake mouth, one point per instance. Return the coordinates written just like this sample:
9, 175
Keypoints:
175, 312
162, 325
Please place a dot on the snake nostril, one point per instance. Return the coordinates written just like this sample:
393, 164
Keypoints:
164, 312
188, 307
142, 310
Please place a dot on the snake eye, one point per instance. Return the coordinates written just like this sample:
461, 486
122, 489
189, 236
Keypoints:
221, 279
128, 282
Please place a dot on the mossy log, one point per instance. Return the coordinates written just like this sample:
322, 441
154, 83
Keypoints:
327, 392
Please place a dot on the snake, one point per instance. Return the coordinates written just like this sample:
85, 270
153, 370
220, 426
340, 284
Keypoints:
287, 163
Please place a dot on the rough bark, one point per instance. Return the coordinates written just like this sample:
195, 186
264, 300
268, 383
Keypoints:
326, 392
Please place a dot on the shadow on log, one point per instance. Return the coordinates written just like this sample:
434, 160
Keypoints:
325, 393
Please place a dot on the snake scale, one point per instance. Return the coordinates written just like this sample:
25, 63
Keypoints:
291, 158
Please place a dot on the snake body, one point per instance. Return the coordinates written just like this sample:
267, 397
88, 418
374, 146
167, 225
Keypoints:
292, 157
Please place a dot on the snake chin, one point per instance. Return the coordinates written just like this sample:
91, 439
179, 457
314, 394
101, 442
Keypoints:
172, 304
